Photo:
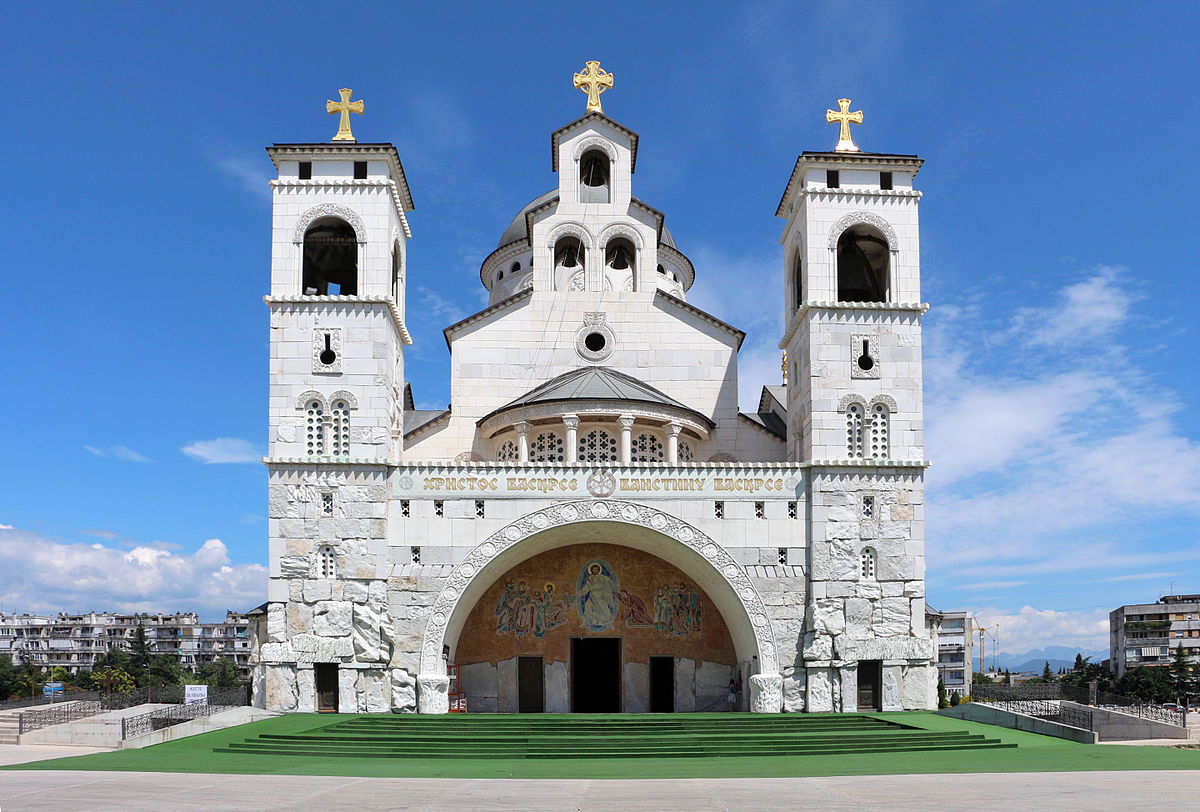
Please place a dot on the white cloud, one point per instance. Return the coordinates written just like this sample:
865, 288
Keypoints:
991, 585
223, 450
1085, 311
119, 452
246, 172
1029, 628
6, 527
39, 574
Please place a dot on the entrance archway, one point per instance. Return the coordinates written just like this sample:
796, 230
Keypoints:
641, 527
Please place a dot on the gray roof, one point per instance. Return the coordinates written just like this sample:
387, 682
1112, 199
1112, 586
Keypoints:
768, 421
416, 418
595, 383
517, 229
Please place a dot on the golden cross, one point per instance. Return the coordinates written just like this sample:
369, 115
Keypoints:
594, 82
845, 118
345, 107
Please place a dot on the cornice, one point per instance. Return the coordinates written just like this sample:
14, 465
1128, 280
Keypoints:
334, 462
355, 149
819, 159
708, 317
804, 309
272, 301
492, 424
432, 424
515, 299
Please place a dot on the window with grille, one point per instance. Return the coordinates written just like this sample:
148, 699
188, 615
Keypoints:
867, 564
314, 420
792, 511
546, 447
479, 509
340, 428
327, 504
685, 452
597, 445
508, 452
760, 510
326, 563
879, 431
648, 448
718, 510
854, 431
782, 555
439, 508
415, 554
405, 508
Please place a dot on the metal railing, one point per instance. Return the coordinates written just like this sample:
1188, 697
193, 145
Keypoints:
1005, 695
70, 710
133, 726
31, 702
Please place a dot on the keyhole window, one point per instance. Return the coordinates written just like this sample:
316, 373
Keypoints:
865, 361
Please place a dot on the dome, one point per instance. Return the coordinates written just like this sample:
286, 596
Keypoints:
517, 228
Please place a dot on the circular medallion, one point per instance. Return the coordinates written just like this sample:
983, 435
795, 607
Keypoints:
760, 620
731, 570
404, 483
512, 533
438, 618
539, 520
686, 534
629, 513
710, 550
658, 521
569, 513
451, 593
600, 510
487, 549
467, 570
601, 484
747, 594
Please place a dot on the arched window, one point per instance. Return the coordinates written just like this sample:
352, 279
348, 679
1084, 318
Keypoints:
397, 272
797, 283
314, 422
620, 255
854, 431
516, 266
546, 447
593, 177
508, 452
597, 445
330, 259
862, 265
340, 428
648, 448
326, 563
662, 270
685, 451
879, 431
568, 254
866, 565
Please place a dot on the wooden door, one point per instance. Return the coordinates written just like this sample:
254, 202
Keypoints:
326, 678
531, 693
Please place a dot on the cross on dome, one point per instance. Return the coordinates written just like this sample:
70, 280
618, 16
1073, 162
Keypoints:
845, 118
345, 107
593, 82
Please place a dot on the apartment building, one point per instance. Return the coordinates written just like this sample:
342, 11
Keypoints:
1147, 633
76, 641
956, 652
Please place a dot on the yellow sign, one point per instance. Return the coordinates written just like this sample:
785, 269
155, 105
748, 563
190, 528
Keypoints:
345, 107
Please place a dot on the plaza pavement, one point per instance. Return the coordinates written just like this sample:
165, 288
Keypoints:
80, 790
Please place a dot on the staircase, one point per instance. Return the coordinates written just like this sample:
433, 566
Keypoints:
608, 736
9, 725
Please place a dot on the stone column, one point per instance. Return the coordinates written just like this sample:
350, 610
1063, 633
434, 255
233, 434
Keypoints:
766, 693
626, 421
572, 423
673, 430
432, 693
522, 441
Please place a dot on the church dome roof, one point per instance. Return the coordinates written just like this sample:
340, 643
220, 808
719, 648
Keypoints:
517, 229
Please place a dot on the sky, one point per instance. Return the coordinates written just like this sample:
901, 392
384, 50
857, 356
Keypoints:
1060, 347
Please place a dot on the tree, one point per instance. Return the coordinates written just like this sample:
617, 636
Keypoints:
223, 673
1183, 675
1147, 683
1086, 672
1047, 674
942, 701
10, 678
955, 700
139, 654
980, 679
1079, 661
113, 680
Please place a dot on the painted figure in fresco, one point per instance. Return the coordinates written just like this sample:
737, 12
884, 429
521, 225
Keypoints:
633, 610
524, 622
521, 611
678, 609
557, 606
598, 595
506, 608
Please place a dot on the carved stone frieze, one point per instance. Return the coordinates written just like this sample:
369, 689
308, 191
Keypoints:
867, 218
329, 210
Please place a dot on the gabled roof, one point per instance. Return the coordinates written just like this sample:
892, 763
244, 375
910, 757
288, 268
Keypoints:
595, 383
767, 421
776, 392
557, 135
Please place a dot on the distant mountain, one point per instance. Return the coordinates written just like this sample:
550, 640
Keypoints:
1057, 656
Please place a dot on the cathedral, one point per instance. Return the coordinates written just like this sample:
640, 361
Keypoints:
593, 525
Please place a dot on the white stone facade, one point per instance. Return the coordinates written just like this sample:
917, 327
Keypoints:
592, 405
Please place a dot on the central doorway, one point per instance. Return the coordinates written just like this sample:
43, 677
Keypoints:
662, 684
531, 693
596, 674
326, 679
870, 676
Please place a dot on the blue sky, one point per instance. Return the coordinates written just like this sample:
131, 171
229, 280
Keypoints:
1059, 191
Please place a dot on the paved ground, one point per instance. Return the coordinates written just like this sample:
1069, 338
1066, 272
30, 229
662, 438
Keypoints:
34, 790
25, 753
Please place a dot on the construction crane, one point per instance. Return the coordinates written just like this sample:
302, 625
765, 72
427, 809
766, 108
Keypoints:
983, 634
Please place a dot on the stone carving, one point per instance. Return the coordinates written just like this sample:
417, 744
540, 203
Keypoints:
766, 693
620, 230
864, 363
468, 456
578, 282
595, 142
446, 604
587, 345
722, 457
432, 693
329, 210
601, 484
327, 349
404, 691
573, 230
868, 218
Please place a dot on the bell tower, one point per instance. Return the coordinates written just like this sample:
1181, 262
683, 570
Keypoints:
855, 415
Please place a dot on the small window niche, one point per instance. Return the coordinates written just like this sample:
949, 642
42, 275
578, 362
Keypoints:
360, 170
439, 508
760, 510
864, 356
832, 179
305, 170
718, 510
327, 350
782, 555
326, 562
327, 503
405, 509
885, 181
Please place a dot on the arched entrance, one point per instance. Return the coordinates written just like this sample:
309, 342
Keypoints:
616, 522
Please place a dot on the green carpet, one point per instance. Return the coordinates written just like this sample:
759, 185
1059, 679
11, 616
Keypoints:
283, 751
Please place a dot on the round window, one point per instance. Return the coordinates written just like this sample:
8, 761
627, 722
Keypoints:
595, 342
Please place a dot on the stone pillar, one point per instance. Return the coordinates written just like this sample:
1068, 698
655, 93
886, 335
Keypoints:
673, 430
572, 423
522, 441
766, 693
626, 421
432, 693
